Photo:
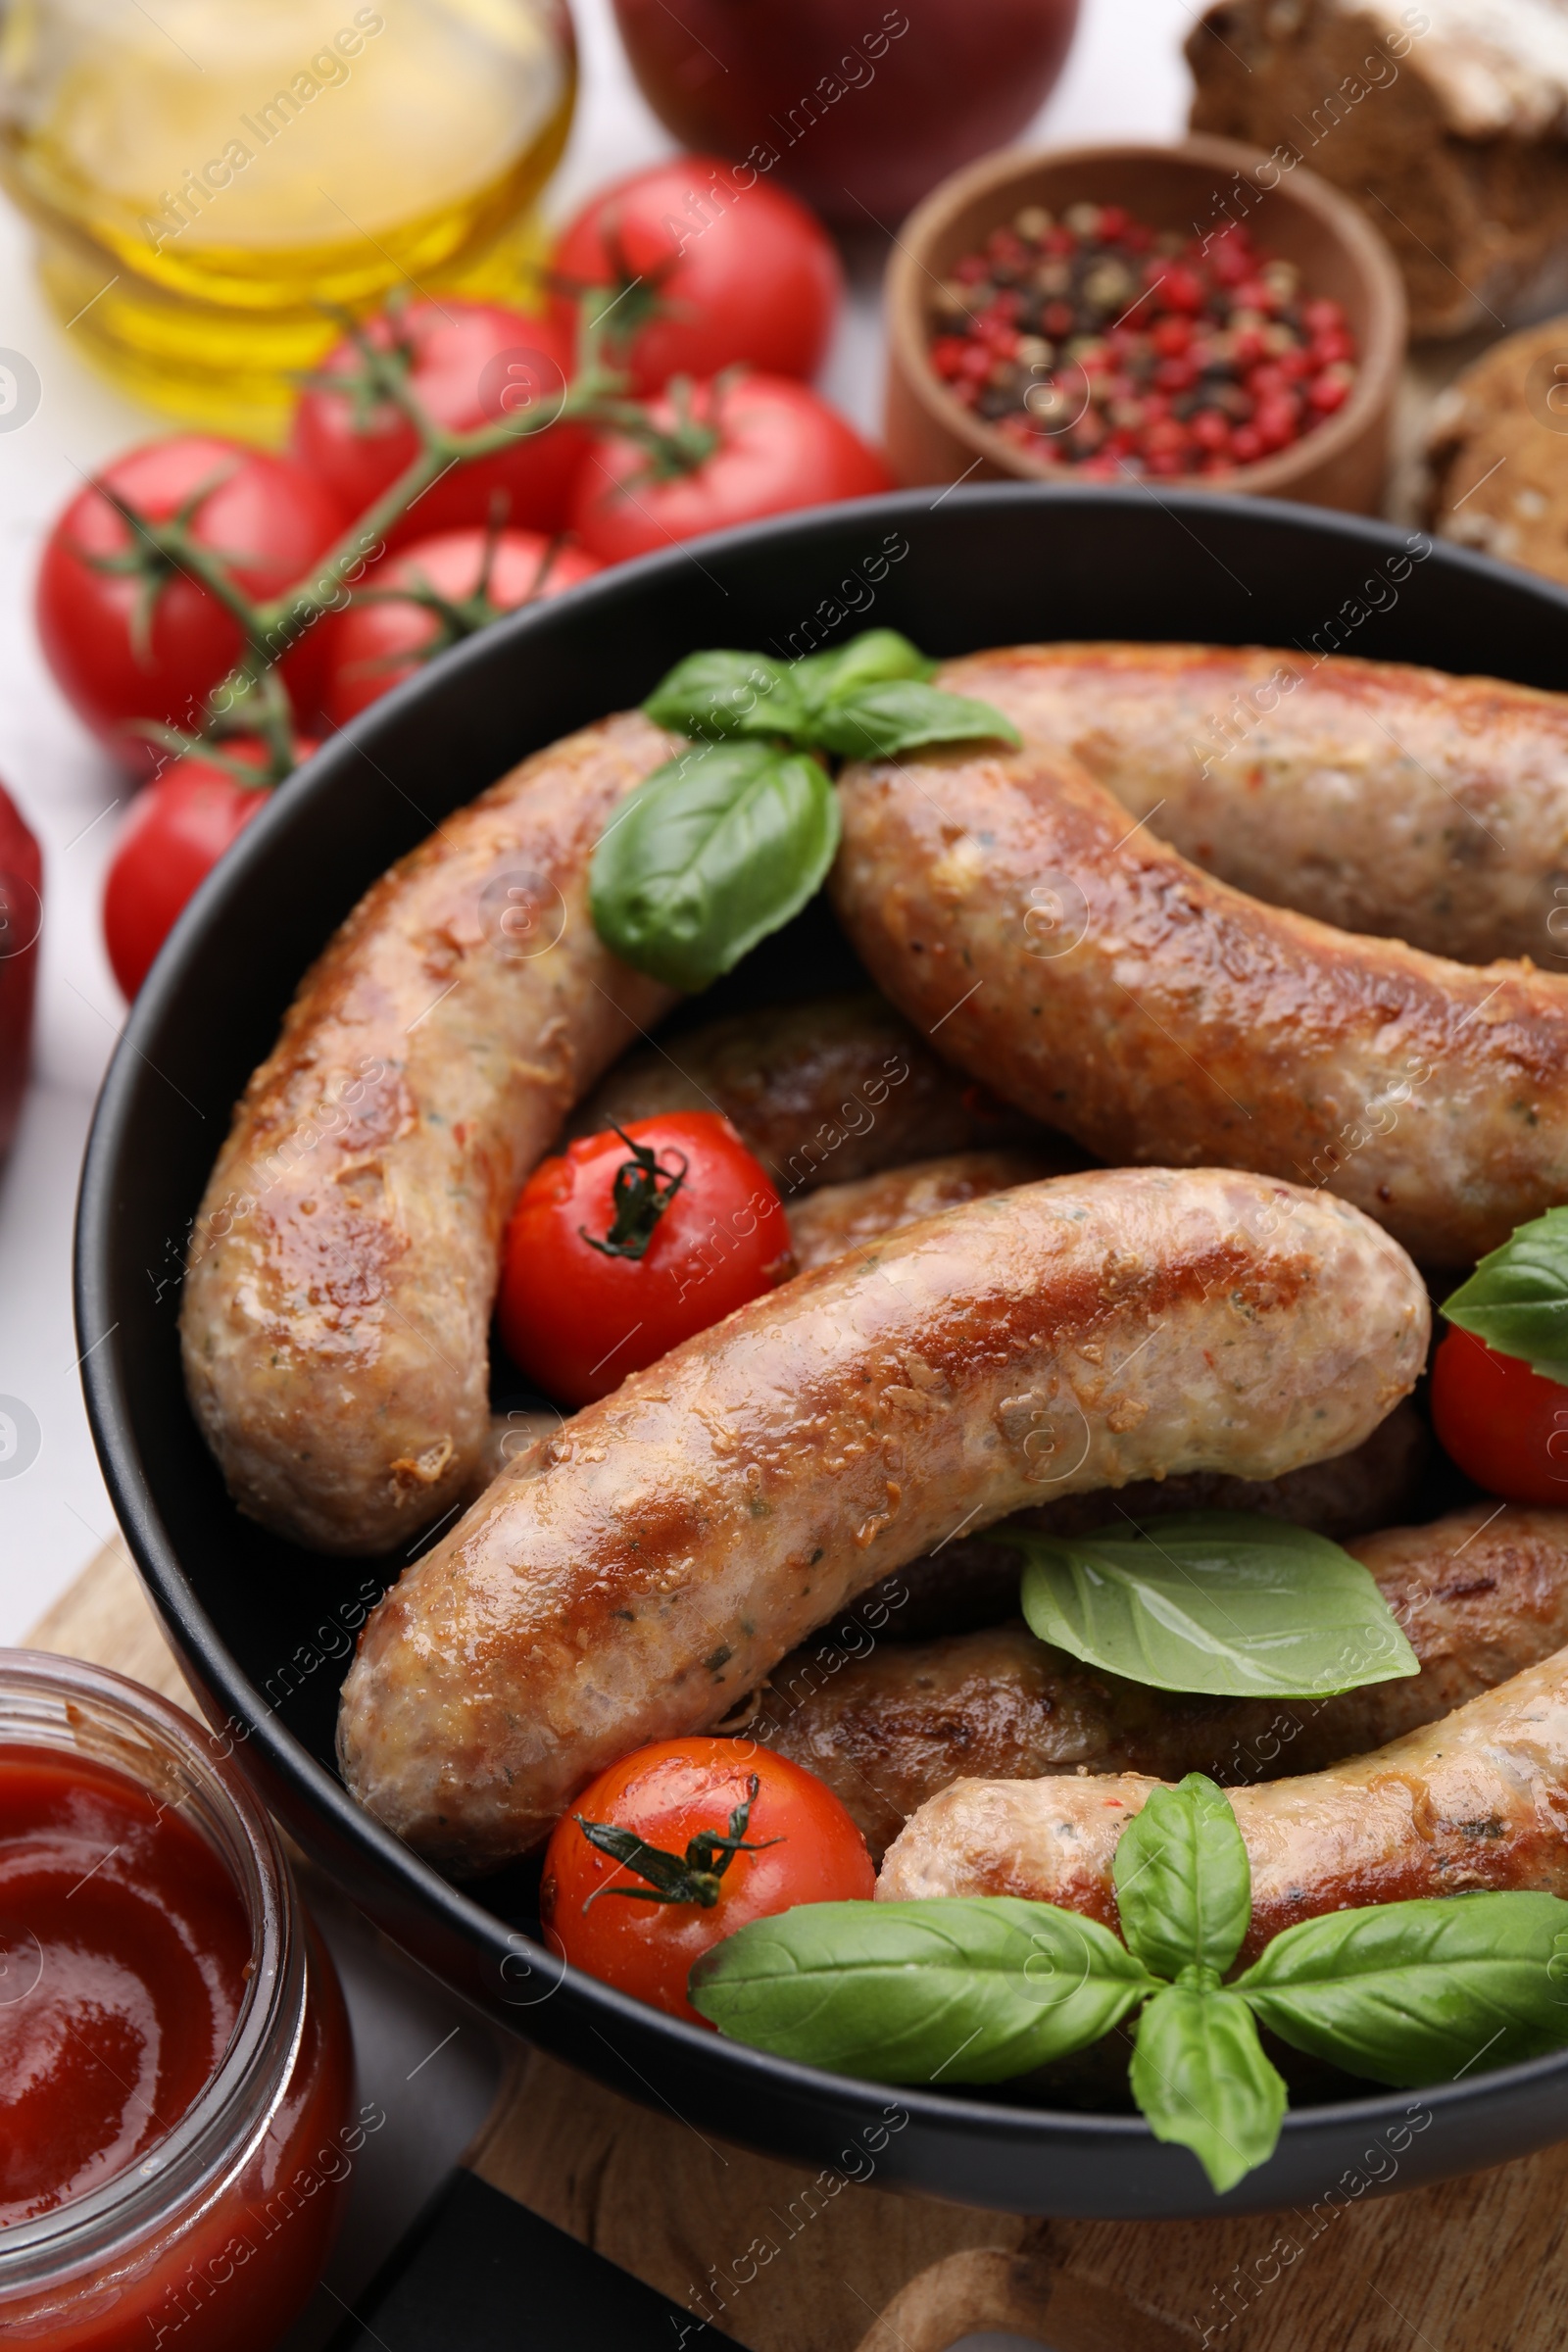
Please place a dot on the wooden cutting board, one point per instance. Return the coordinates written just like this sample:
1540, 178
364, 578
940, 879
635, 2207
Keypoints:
789, 2261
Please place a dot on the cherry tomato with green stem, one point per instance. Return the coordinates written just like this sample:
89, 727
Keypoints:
176, 833
631, 1241
680, 1843
129, 632
707, 455
434, 594
1506, 1424
468, 364
696, 269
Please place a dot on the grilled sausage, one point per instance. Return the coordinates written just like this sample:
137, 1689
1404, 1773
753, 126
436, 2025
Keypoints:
971, 1582
1478, 1799
1100, 981
343, 1264
1376, 797
1480, 1595
822, 1093
823, 1226
686, 1532
850, 1216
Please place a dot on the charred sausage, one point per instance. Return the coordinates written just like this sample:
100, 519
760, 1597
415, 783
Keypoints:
1095, 977
1478, 1799
344, 1261
1480, 1597
1379, 798
822, 1091
682, 1534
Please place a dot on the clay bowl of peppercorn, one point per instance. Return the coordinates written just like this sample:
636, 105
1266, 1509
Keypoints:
1194, 314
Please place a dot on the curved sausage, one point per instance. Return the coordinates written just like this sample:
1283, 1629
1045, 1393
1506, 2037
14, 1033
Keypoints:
822, 1093
344, 1261
848, 1216
823, 1225
1478, 1799
1373, 795
970, 1583
1095, 977
1479, 1596
686, 1532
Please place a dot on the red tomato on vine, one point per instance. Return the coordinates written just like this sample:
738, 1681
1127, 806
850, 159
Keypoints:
433, 595
176, 831
699, 271
718, 453
128, 631
468, 364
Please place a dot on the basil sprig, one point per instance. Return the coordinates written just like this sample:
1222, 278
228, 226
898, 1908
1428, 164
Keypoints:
707, 860
722, 845
981, 1988
1226, 1602
1517, 1298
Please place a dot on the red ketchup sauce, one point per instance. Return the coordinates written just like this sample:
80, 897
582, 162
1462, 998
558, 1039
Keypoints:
126, 1950
175, 2064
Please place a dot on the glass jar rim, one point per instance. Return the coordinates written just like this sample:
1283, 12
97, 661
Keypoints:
69, 1705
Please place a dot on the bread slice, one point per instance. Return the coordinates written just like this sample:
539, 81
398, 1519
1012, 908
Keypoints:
1446, 122
1497, 451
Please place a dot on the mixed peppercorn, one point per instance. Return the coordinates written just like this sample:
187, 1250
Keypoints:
1097, 342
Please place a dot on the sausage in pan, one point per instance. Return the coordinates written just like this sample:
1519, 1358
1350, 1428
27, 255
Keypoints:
344, 1261
1479, 1596
1099, 980
1374, 796
1478, 1799
686, 1532
822, 1091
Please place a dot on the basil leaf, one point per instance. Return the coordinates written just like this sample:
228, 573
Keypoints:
1517, 1298
954, 1990
875, 722
710, 855
1199, 2075
712, 695
870, 660
1184, 1884
1227, 1603
1420, 1993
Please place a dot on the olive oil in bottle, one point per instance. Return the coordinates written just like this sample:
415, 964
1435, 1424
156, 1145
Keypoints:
211, 178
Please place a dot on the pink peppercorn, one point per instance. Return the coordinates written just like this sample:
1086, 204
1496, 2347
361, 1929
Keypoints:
1189, 361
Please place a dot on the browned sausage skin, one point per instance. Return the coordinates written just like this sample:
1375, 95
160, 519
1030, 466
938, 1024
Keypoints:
970, 1583
1479, 1596
682, 1534
344, 1258
1100, 981
1478, 1799
823, 1092
1379, 798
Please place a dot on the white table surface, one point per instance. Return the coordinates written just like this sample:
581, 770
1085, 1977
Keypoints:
1125, 77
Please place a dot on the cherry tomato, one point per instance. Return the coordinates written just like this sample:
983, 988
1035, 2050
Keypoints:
758, 446
150, 642
1506, 1425
176, 831
669, 1794
633, 1241
470, 364
459, 583
707, 271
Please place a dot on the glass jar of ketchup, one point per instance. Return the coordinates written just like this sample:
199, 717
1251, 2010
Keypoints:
175, 2056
